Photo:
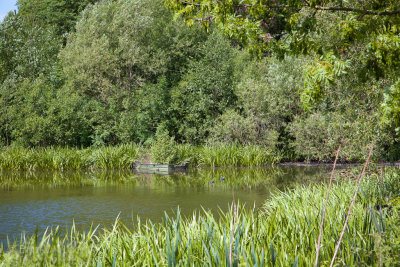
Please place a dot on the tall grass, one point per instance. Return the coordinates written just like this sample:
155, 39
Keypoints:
234, 155
284, 233
122, 156
224, 155
60, 158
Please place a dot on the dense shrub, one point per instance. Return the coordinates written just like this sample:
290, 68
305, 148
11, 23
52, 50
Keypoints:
205, 91
164, 148
318, 136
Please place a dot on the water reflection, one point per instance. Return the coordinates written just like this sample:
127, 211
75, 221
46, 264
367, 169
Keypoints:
37, 200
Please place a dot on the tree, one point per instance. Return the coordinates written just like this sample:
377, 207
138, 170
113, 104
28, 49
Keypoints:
32, 110
333, 31
124, 57
354, 46
205, 91
266, 22
61, 14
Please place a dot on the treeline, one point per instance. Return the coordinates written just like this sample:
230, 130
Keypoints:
88, 73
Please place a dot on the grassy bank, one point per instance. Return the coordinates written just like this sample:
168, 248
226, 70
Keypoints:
283, 233
122, 156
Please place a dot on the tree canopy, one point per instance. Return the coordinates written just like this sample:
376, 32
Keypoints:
362, 37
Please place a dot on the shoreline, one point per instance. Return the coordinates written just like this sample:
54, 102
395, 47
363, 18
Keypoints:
343, 164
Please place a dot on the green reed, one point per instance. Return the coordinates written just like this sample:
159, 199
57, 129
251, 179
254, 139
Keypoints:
236, 155
61, 158
123, 156
283, 233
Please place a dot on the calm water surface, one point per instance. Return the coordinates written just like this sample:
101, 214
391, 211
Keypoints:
36, 201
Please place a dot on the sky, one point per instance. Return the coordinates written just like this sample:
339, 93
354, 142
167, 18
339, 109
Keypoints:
6, 6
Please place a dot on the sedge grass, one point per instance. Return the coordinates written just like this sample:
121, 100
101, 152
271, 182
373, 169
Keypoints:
283, 233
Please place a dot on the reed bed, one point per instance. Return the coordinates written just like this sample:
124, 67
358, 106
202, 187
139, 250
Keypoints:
61, 158
283, 233
224, 155
235, 155
123, 156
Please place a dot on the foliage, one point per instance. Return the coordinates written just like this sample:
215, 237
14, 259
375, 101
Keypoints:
205, 91
391, 106
338, 35
317, 137
126, 66
319, 75
164, 148
232, 127
61, 14
267, 102
105, 73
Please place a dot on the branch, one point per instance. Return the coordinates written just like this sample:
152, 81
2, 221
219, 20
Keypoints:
267, 6
323, 8
239, 5
188, 3
355, 10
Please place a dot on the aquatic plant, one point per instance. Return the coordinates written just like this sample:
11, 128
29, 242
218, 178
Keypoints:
123, 156
235, 155
63, 158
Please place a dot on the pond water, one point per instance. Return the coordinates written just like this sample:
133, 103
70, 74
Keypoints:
34, 201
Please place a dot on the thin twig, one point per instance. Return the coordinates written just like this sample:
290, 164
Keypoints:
351, 206
324, 211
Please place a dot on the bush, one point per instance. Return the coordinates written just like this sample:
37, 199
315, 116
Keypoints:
164, 149
317, 136
205, 91
232, 127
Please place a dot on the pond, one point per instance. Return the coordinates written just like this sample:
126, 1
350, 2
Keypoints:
34, 201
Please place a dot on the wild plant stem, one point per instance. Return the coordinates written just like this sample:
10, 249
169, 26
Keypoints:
324, 211
380, 234
233, 229
351, 207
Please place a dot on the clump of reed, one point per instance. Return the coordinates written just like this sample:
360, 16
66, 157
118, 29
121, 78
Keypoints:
62, 158
284, 233
236, 155
122, 156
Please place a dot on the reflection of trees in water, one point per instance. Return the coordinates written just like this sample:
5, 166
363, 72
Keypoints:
280, 178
